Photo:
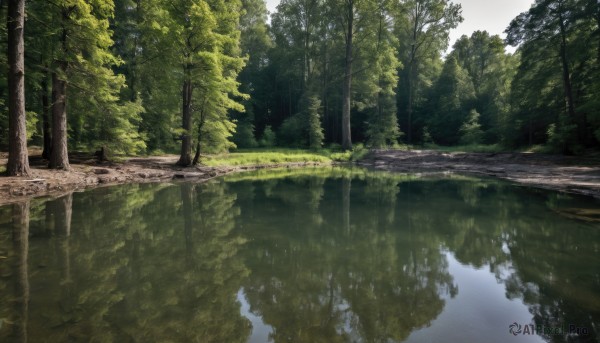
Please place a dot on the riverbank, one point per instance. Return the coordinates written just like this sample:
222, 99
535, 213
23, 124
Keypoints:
570, 174
87, 173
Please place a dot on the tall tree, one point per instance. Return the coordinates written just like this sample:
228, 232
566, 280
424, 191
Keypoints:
548, 24
76, 50
18, 162
423, 27
255, 44
348, 16
382, 74
203, 37
491, 70
451, 99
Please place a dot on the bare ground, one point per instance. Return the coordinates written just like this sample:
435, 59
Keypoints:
87, 173
571, 174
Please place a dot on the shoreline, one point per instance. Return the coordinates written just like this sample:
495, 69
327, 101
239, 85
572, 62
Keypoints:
85, 175
567, 174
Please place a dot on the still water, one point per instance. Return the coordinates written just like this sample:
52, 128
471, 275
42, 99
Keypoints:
312, 255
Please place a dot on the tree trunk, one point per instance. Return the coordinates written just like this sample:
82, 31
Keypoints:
59, 158
347, 89
18, 162
598, 31
197, 155
410, 69
46, 127
409, 104
565, 68
186, 141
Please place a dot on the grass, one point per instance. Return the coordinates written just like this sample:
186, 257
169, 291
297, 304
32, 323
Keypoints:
267, 156
244, 157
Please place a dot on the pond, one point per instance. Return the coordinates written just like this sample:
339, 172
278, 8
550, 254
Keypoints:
306, 255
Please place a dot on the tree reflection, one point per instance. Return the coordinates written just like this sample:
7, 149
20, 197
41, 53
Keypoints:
156, 264
313, 284
20, 222
323, 256
559, 286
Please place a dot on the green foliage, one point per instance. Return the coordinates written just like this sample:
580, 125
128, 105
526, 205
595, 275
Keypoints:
561, 136
491, 71
422, 28
244, 135
315, 131
125, 62
357, 153
293, 131
268, 138
552, 98
450, 102
427, 139
470, 131
72, 39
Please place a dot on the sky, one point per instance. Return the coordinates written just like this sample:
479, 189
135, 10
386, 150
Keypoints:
490, 15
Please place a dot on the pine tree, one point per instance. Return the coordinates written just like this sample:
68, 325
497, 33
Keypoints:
75, 48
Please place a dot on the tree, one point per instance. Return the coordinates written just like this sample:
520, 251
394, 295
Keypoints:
78, 42
491, 71
423, 27
470, 130
382, 123
18, 162
450, 101
203, 40
315, 131
255, 44
348, 17
547, 24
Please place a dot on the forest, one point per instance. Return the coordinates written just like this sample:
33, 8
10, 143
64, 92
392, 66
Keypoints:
204, 76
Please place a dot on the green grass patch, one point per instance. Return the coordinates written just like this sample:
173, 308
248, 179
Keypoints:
357, 153
267, 156
2, 169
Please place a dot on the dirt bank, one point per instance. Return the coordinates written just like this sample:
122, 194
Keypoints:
86, 173
572, 174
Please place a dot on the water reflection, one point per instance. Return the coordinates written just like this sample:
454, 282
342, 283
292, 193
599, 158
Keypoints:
20, 223
343, 278
306, 256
